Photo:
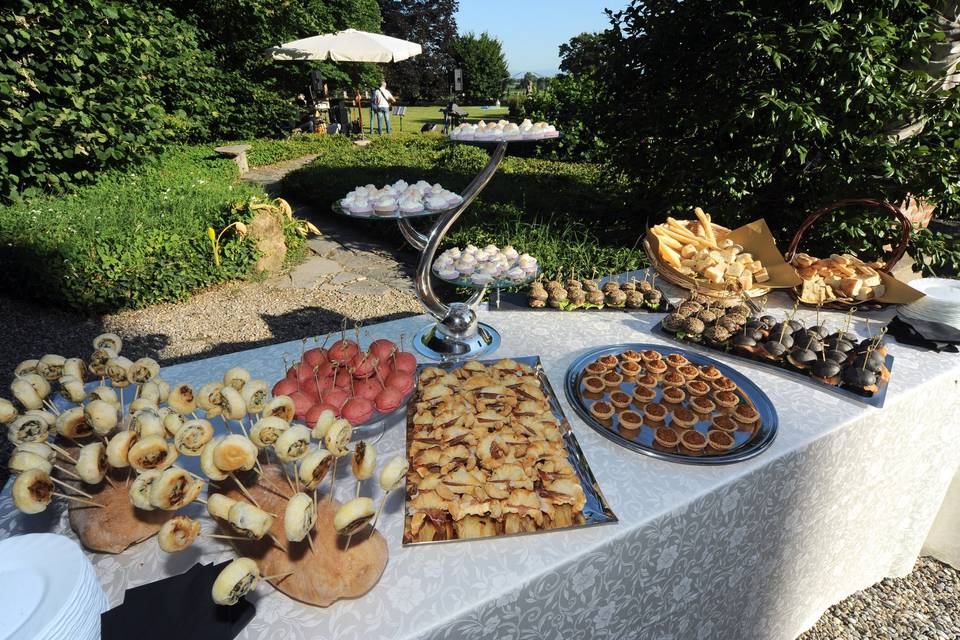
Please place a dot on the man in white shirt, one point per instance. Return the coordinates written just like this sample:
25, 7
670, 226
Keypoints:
380, 102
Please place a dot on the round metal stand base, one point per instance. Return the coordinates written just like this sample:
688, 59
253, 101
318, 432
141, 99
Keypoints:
434, 345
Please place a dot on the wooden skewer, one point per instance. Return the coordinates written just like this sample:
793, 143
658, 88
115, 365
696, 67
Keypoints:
277, 542
63, 453
243, 490
76, 499
333, 479
109, 480
376, 516
51, 406
347, 545
310, 542
67, 485
278, 576
66, 471
223, 537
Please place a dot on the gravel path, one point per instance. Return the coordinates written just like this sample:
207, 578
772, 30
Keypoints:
347, 276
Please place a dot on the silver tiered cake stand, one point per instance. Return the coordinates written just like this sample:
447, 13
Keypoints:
456, 334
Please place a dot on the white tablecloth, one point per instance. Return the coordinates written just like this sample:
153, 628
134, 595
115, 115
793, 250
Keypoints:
846, 495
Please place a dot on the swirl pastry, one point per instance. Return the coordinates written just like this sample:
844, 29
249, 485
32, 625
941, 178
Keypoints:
237, 579
26, 394
99, 359
155, 389
147, 422
41, 449
219, 505
281, 407
108, 341
364, 461
8, 412
117, 370
314, 467
172, 421
299, 517
193, 436
51, 367
209, 398
266, 431
141, 487
178, 533
173, 489
236, 378
235, 452
92, 463
353, 516
118, 449
71, 387
249, 520
207, 464
22, 460
255, 394
143, 371
324, 421
293, 443
232, 404
338, 438
73, 424
393, 474
28, 428
151, 453
182, 399
32, 491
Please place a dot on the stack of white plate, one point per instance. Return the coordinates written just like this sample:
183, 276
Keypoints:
941, 301
49, 588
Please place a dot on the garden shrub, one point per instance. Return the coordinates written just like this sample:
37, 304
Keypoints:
133, 238
88, 85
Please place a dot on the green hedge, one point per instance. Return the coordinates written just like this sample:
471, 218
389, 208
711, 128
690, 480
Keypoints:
562, 212
133, 238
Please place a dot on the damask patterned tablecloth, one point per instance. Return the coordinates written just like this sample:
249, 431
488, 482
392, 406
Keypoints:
845, 495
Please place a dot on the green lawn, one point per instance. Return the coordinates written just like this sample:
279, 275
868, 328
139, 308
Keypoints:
418, 116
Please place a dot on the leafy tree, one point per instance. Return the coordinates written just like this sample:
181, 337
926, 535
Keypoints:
758, 107
583, 54
433, 25
484, 66
254, 94
87, 85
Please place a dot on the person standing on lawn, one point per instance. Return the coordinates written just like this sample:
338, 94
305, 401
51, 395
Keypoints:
381, 101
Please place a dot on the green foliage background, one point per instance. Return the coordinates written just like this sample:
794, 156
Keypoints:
87, 85
484, 66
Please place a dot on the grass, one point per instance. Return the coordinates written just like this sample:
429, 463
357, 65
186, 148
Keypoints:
561, 212
139, 236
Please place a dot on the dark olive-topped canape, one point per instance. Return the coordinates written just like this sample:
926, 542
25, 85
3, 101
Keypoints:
826, 371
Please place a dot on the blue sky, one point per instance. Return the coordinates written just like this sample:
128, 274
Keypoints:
532, 30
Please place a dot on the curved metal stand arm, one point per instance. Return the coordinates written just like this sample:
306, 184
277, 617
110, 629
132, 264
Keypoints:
428, 298
416, 239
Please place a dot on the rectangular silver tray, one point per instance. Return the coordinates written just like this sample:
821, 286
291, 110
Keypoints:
595, 512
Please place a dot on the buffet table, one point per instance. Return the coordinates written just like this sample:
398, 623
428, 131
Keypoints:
844, 496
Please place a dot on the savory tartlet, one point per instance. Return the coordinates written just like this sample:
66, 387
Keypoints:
745, 413
643, 395
720, 440
655, 411
726, 399
594, 384
674, 395
666, 437
601, 410
683, 417
724, 423
630, 420
703, 404
693, 440
697, 388
620, 400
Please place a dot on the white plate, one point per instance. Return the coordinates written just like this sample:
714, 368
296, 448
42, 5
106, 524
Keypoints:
39, 575
939, 289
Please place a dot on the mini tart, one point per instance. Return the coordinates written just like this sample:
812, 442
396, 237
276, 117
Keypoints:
643, 395
666, 437
726, 399
601, 410
647, 381
655, 411
612, 379
630, 356
594, 384
746, 413
710, 373
724, 383
620, 400
698, 388
674, 395
689, 371
725, 423
656, 367
676, 360
703, 404
630, 420
673, 379
683, 417
720, 440
596, 368
650, 355
630, 369
693, 440
609, 361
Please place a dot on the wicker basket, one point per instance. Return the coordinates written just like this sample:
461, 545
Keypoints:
888, 264
710, 289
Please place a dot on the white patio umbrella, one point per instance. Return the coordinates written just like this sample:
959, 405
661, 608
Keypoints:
348, 45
